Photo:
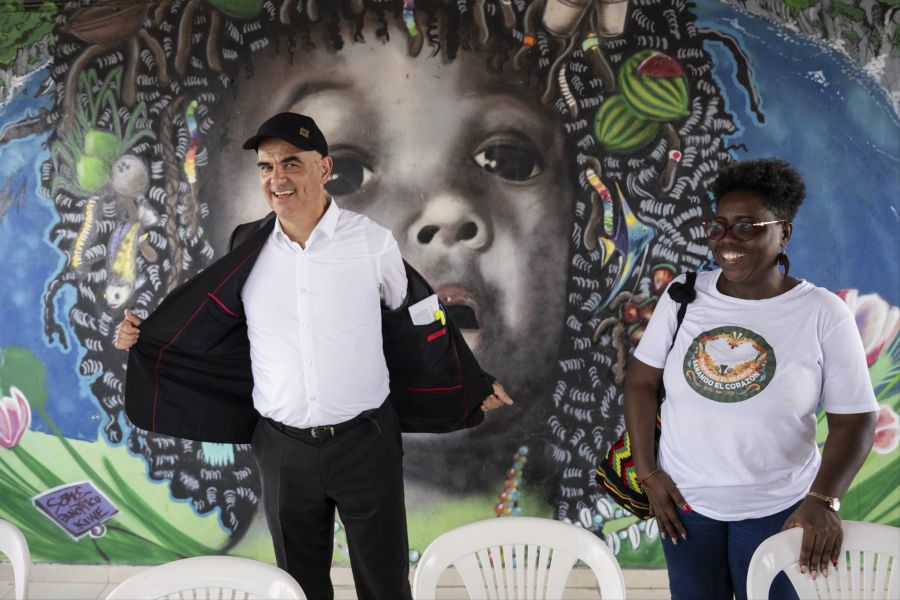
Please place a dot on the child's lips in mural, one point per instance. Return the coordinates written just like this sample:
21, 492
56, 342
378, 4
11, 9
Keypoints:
461, 303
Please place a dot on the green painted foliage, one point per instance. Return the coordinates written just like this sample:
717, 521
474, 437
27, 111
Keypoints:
20, 28
801, 4
845, 9
20, 368
874, 41
874, 495
238, 9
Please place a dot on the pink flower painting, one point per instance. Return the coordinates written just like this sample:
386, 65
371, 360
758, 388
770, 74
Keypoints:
887, 430
15, 418
877, 321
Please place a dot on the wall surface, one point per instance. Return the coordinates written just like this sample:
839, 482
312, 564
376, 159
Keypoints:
547, 179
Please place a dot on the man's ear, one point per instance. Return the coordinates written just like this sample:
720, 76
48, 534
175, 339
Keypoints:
326, 164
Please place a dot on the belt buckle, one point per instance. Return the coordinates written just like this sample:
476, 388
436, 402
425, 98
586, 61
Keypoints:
320, 431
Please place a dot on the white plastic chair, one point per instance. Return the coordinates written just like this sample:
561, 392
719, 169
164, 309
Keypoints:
14, 546
517, 557
209, 577
869, 565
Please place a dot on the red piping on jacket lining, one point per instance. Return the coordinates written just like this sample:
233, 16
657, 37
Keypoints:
183, 327
434, 389
222, 304
459, 374
436, 334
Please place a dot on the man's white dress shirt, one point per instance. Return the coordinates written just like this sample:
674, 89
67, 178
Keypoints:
314, 319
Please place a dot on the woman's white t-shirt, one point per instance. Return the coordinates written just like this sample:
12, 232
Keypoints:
743, 381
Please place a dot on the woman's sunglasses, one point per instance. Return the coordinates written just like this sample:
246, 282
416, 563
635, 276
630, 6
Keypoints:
716, 230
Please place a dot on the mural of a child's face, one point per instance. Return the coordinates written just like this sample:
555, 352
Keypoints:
464, 165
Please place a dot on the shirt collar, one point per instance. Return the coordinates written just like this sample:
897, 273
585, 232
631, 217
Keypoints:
327, 224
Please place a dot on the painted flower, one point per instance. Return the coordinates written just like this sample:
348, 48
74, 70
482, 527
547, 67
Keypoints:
887, 430
15, 417
877, 321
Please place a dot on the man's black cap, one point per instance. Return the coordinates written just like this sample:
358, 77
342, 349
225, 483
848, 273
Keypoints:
298, 130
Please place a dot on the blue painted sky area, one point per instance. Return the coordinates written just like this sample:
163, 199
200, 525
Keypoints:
28, 263
838, 127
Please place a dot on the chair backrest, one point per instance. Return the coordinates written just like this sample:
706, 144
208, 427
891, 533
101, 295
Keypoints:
517, 557
209, 577
869, 565
14, 546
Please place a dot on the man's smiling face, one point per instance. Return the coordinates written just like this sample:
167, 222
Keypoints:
291, 178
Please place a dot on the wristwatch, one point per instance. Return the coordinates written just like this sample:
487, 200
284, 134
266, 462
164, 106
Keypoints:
832, 502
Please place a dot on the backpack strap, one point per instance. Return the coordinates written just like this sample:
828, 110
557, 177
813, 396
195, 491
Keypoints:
684, 294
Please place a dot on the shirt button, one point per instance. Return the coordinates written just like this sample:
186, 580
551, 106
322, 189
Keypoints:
312, 398
309, 361
306, 325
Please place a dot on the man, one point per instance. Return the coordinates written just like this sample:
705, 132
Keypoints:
311, 300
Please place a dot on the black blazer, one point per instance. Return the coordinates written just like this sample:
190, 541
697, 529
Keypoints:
189, 373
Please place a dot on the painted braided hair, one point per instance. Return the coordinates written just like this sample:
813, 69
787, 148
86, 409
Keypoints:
134, 104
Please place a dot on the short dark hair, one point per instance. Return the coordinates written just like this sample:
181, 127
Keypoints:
779, 185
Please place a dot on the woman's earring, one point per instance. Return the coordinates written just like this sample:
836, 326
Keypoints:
784, 261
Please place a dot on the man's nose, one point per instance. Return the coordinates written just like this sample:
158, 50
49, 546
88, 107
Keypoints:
278, 173
449, 222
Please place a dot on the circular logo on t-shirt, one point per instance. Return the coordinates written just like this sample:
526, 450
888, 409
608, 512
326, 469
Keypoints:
729, 364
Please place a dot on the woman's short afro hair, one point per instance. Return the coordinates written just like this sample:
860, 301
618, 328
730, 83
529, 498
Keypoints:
778, 185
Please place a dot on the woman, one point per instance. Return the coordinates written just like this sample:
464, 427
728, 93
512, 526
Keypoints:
756, 353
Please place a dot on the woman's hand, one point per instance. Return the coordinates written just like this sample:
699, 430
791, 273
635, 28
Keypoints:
665, 502
822, 535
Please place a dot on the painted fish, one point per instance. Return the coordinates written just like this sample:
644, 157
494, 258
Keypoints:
630, 242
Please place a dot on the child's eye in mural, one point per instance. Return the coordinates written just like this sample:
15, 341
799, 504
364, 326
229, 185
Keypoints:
349, 174
508, 159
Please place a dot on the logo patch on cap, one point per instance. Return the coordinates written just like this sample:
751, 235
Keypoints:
304, 132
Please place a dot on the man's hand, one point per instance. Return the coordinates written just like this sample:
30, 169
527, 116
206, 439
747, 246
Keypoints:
497, 399
127, 331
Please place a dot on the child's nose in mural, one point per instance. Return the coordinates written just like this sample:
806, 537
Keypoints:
448, 224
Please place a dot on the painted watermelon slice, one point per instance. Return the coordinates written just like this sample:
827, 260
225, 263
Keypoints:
659, 65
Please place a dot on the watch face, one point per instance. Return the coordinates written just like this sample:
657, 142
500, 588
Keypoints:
835, 504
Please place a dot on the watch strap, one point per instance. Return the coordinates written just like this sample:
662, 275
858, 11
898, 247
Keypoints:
831, 501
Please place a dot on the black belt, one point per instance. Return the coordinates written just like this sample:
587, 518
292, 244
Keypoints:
322, 432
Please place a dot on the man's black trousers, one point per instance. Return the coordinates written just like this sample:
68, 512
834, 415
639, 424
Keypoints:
359, 471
